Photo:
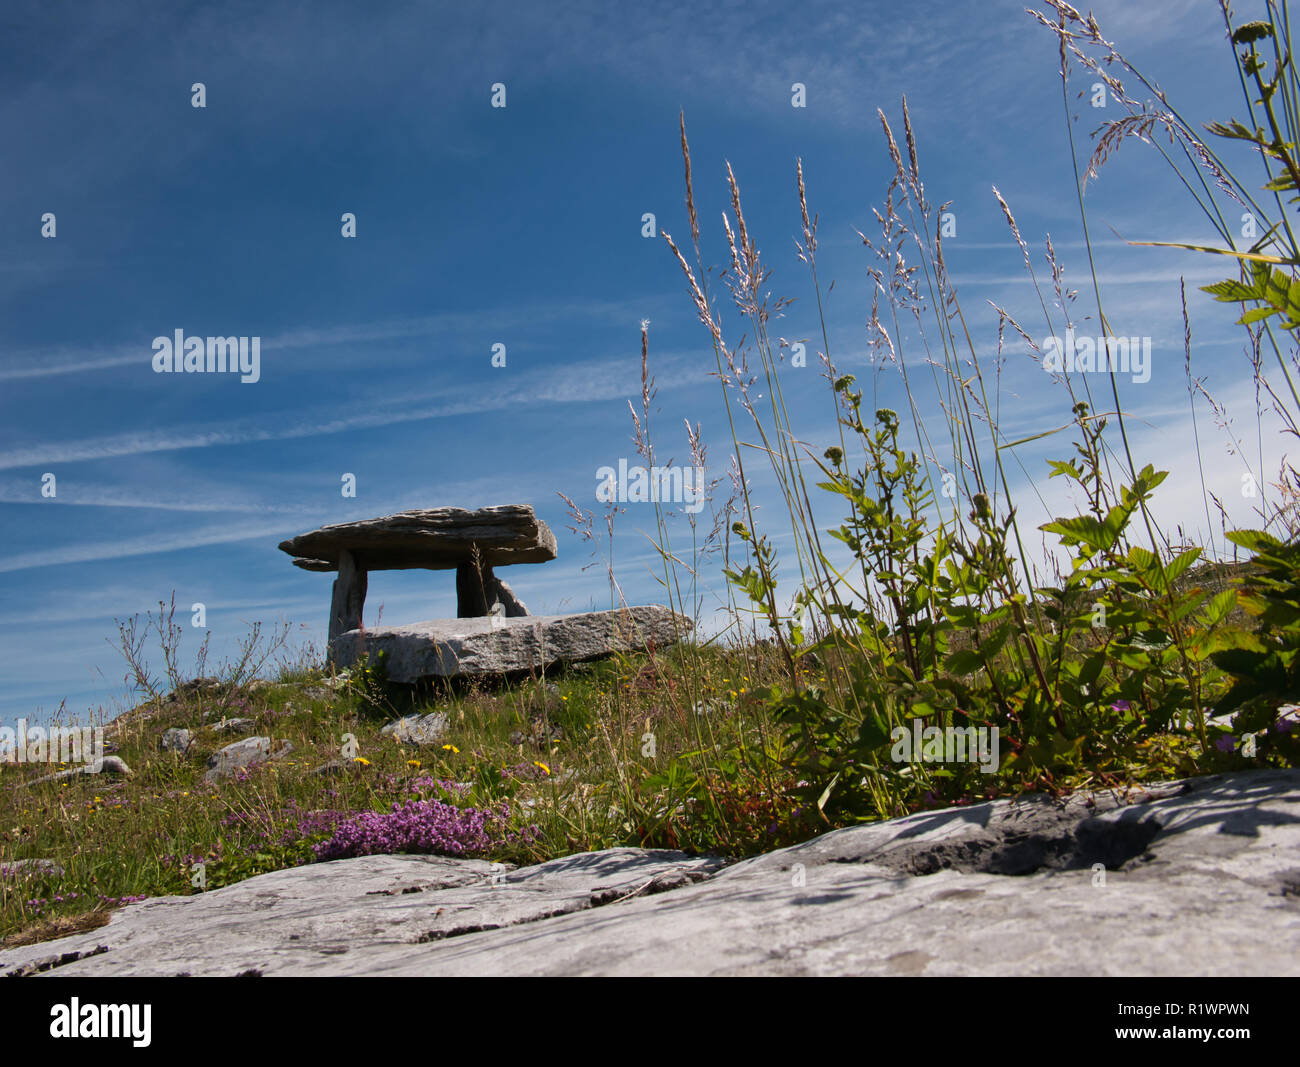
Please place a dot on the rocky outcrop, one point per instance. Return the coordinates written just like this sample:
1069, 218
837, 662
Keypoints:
447, 648
1192, 878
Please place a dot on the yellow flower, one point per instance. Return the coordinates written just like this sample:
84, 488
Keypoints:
543, 766
362, 760
451, 748
413, 763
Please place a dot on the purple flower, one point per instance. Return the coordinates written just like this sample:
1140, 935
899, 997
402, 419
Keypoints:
1226, 743
416, 826
1121, 705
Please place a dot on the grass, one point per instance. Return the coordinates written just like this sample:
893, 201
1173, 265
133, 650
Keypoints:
571, 758
596, 783
1104, 650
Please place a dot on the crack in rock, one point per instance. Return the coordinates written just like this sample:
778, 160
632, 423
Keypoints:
49, 963
660, 883
1016, 853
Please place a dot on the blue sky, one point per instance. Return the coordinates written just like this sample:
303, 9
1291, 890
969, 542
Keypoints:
479, 225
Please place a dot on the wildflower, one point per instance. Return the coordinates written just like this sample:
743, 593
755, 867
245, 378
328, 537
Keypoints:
545, 769
413, 763
416, 826
1121, 705
451, 748
361, 760
1226, 743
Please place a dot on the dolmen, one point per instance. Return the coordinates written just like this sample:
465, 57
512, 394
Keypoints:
493, 633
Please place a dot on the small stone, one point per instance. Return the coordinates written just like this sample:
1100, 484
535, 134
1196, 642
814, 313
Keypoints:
418, 729
546, 700
30, 869
240, 755
233, 726
337, 766
176, 740
194, 685
107, 765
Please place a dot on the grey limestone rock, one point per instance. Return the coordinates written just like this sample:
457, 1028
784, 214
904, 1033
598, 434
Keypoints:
1186, 878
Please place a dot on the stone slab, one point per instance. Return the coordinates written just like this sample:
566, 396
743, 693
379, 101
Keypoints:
448, 648
430, 538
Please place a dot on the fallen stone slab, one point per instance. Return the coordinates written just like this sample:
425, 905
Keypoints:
447, 648
1200, 877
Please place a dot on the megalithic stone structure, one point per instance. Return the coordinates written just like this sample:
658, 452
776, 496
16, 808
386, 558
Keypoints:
493, 635
470, 542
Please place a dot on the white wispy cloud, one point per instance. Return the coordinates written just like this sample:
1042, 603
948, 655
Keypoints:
34, 363
586, 382
142, 545
76, 494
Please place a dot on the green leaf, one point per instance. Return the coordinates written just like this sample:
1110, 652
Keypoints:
1231, 291
963, 662
1219, 608
826, 793
1255, 315
1254, 540
1083, 528
1253, 257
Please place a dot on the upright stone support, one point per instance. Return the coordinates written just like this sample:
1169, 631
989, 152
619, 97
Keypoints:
506, 596
480, 592
349, 596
